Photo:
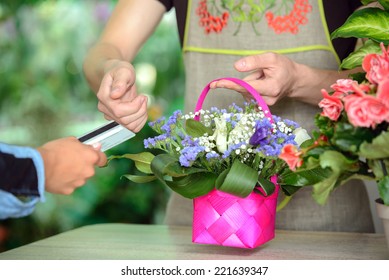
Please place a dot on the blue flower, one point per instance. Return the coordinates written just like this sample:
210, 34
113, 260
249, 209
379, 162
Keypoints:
189, 155
258, 136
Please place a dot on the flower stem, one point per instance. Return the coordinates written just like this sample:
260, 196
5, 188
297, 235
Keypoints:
383, 168
283, 203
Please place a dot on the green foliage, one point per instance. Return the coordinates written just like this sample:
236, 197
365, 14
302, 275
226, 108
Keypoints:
345, 149
369, 24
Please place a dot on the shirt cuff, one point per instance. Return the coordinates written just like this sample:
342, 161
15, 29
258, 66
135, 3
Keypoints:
12, 207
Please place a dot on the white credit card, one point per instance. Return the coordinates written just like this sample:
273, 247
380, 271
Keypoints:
108, 135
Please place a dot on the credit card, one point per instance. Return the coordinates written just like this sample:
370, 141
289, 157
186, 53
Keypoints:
108, 135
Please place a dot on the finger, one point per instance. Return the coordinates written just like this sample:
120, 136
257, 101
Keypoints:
108, 115
105, 88
123, 80
228, 85
138, 124
256, 75
253, 62
102, 160
76, 184
128, 108
132, 121
96, 146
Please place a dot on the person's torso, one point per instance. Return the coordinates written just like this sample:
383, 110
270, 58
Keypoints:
218, 33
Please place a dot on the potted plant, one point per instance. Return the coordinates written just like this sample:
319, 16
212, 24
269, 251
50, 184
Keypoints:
352, 140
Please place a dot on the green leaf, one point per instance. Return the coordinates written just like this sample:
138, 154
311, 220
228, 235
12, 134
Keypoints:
302, 178
140, 179
383, 189
339, 164
267, 186
193, 185
142, 160
289, 190
322, 190
355, 58
196, 129
377, 149
349, 138
372, 23
188, 182
378, 167
167, 164
240, 180
360, 77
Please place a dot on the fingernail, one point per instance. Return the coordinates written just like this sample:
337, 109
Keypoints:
241, 64
96, 146
113, 89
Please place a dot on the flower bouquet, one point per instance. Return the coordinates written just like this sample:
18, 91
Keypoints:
227, 161
353, 136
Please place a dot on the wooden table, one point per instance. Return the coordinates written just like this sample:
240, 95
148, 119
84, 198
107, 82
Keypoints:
158, 242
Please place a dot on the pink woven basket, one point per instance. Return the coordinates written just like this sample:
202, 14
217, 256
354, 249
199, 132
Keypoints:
224, 219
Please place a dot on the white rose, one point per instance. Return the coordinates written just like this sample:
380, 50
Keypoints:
301, 135
220, 134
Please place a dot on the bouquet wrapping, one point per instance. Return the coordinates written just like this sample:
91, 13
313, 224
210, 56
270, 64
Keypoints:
223, 219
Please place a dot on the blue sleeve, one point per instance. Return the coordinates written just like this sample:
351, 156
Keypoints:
10, 205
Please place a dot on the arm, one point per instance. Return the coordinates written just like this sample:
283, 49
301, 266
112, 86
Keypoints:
59, 167
22, 175
275, 76
107, 66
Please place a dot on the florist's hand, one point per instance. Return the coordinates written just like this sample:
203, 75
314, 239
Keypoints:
118, 98
273, 75
68, 163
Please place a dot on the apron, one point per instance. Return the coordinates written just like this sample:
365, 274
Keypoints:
218, 33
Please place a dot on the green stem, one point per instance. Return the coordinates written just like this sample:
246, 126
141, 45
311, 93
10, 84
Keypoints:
383, 168
283, 203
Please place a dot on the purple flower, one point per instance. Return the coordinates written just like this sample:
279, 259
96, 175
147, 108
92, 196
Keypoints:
212, 155
258, 136
262, 130
153, 142
189, 155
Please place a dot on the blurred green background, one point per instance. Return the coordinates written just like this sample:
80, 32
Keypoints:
44, 96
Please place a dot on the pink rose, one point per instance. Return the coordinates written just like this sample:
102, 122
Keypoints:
332, 105
344, 85
291, 156
376, 66
365, 111
383, 92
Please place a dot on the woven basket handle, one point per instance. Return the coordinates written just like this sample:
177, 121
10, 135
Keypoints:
242, 83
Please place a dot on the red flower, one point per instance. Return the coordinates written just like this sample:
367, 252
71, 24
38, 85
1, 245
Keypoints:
365, 111
332, 105
376, 66
291, 156
383, 92
344, 85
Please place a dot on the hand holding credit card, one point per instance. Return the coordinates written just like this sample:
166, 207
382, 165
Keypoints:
108, 135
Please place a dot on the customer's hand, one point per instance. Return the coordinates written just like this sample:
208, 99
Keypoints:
68, 164
118, 98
